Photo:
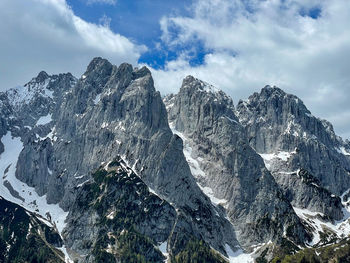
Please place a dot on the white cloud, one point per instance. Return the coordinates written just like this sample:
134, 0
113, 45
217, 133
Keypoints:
270, 43
46, 35
105, 21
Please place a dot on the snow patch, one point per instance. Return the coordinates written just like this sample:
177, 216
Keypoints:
292, 128
343, 151
169, 106
209, 192
120, 126
152, 191
48, 93
231, 120
66, 256
196, 171
32, 201
104, 125
44, 120
187, 150
29, 230
97, 99
209, 88
340, 228
238, 256
309, 115
78, 177
281, 155
111, 215
80, 185
162, 247
24, 95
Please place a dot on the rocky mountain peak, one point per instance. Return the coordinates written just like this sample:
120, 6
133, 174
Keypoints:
271, 89
126, 74
289, 139
223, 163
285, 113
98, 72
42, 76
271, 98
142, 72
194, 85
268, 90
198, 107
98, 64
106, 144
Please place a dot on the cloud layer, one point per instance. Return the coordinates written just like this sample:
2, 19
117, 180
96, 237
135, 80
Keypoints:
301, 46
46, 35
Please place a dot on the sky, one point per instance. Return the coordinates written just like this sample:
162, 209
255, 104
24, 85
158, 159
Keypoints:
301, 46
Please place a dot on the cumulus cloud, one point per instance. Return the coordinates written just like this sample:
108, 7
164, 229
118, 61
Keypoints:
301, 46
46, 35
105, 21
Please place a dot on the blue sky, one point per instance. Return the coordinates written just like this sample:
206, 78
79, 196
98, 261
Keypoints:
137, 20
239, 46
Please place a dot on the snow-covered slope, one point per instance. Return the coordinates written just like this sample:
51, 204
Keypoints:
20, 193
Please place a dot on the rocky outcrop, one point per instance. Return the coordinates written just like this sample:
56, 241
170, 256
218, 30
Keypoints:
227, 168
26, 238
112, 111
290, 138
116, 204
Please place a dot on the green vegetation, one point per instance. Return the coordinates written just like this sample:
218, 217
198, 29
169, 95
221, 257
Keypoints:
99, 176
115, 162
120, 190
262, 259
336, 253
304, 256
20, 244
197, 252
286, 247
133, 245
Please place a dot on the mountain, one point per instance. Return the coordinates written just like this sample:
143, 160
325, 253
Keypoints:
306, 158
121, 174
25, 237
280, 122
110, 111
227, 168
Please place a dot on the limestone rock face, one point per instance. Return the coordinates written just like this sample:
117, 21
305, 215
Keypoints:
119, 163
227, 168
293, 144
116, 205
110, 111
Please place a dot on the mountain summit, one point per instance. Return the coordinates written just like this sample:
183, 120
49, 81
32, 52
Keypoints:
118, 174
